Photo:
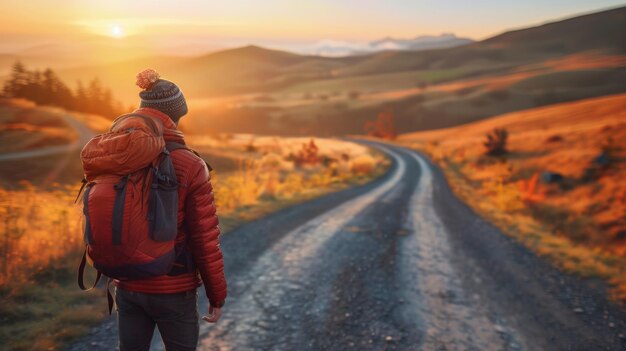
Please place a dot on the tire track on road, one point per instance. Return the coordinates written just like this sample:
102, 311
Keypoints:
279, 271
453, 318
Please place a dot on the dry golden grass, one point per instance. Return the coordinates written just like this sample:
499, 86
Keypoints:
41, 241
270, 171
39, 228
580, 224
363, 164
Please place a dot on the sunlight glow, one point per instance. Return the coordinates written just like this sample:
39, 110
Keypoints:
117, 31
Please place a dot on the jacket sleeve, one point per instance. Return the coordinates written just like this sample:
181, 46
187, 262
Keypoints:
203, 235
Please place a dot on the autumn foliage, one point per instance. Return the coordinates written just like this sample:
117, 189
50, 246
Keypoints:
383, 127
307, 155
531, 190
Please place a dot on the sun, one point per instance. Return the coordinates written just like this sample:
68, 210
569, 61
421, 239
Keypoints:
116, 31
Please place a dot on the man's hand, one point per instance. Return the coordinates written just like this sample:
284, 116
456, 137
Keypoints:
214, 314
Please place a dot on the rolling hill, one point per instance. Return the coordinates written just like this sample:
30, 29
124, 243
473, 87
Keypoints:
253, 89
573, 210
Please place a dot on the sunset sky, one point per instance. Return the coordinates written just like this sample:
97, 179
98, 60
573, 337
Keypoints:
188, 27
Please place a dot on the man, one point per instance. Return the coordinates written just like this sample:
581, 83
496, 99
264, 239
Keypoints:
170, 301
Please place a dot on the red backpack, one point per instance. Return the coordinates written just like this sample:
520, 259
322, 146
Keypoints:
130, 201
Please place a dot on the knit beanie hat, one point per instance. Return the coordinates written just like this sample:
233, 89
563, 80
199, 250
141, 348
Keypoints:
161, 94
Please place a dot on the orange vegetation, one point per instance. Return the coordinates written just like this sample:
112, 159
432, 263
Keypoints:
383, 127
567, 63
40, 228
564, 172
583, 61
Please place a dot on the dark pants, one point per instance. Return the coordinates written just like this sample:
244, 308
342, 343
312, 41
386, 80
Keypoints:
176, 316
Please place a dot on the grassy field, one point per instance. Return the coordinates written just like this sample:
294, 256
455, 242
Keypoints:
558, 189
420, 98
41, 307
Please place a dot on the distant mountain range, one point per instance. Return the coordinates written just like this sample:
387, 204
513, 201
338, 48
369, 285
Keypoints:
89, 49
256, 69
424, 42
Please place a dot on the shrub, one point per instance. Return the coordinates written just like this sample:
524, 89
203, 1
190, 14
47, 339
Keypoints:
383, 127
363, 164
554, 138
354, 95
307, 155
250, 147
495, 142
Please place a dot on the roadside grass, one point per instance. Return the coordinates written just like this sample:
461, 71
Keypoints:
43, 315
540, 234
41, 308
268, 205
558, 188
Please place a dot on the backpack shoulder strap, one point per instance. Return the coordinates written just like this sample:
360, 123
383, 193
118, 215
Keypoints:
171, 146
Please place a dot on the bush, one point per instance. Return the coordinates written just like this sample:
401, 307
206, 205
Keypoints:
383, 127
307, 155
495, 142
354, 95
363, 164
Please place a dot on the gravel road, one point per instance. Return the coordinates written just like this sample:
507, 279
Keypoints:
397, 264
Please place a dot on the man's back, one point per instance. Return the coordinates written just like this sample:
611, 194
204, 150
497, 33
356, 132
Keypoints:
170, 301
198, 229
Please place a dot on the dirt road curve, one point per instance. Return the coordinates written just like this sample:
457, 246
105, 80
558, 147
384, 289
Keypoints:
398, 264
84, 134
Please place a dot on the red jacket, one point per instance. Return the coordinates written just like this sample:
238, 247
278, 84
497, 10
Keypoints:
197, 225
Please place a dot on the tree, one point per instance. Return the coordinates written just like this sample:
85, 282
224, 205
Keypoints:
80, 98
14, 87
106, 103
94, 96
33, 90
45, 88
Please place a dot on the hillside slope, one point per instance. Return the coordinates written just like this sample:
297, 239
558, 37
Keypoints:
576, 153
253, 68
579, 151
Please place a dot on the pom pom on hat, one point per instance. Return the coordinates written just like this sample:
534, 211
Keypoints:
161, 94
147, 78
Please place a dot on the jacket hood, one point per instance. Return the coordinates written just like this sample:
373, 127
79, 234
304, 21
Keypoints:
133, 142
170, 133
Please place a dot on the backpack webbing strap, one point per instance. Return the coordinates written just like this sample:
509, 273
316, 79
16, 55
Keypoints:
82, 186
171, 146
118, 210
81, 273
87, 235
